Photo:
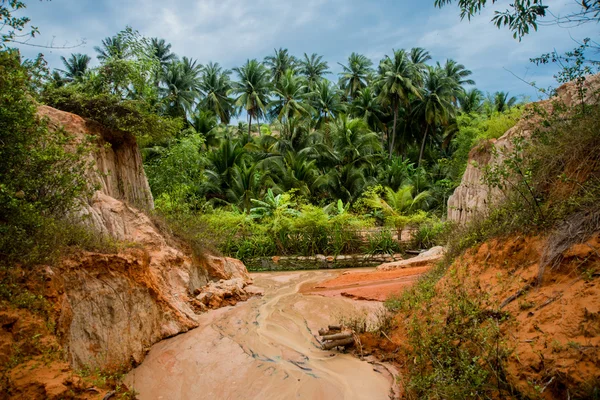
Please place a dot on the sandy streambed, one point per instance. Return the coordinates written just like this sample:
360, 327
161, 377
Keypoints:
264, 348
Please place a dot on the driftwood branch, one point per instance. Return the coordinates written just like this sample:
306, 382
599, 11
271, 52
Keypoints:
339, 336
338, 343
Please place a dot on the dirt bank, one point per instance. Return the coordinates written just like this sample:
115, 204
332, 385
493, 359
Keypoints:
367, 284
264, 348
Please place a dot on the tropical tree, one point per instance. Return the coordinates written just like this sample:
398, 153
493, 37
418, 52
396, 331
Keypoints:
246, 184
214, 86
279, 63
419, 57
355, 76
290, 93
180, 89
501, 101
354, 143
367, 107
398, 81
398, 205
115, 48
313, 68
252, 90
435, 106
161, 50
326, 101
471, 101
457, 72
76, 67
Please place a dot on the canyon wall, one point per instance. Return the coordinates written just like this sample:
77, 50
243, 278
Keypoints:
473, 196
112, 307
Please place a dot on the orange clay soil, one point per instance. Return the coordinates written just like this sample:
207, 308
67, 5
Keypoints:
367, 285
31, 362
553, 329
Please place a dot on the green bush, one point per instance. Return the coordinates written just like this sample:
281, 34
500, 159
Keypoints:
40, 181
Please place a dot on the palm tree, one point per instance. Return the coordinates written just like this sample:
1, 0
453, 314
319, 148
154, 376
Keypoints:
435, 106
245, 185
419, 57
280, 63
457, 72
161, 50
215, 85
398, 79
397, 205
326, 101
191, 67
366, 106
471, 101
252, 90
353, 141
181, 89
204, 122
113, 48
290, 91
76, 66
500, 101
313, 68
355, 76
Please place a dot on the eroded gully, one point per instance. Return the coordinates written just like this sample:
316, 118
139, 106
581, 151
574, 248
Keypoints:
264, 348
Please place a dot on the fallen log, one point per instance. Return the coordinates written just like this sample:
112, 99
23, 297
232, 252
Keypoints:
338, 336
335, 328
338, 343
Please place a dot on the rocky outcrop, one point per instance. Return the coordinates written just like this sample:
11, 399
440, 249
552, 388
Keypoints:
113, 307
427, 258
473, 196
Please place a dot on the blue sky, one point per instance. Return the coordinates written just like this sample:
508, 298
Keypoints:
231, 31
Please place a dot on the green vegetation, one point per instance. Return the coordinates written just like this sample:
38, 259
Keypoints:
550, 182
317, 162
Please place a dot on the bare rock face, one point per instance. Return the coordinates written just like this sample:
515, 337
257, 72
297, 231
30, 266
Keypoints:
473, 196
427, 258
113, 307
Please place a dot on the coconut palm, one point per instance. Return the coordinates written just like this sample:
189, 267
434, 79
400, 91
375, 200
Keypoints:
180, 89
419, 57
76, 67
313, 68
191, 67
114, 48
326, 101
502, 101
290, 93
366, 106
252, 90
435, 106
280, 63
397, 80
214, 86
355, 76
245, 185
471, 101
353, 141
457, 72
161, 50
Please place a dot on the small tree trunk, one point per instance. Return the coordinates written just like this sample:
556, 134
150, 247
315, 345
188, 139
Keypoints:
249, 123
394, 131
423, 146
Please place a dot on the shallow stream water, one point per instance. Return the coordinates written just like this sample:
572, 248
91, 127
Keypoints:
265, 348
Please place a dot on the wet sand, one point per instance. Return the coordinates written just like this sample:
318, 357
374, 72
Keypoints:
265, 348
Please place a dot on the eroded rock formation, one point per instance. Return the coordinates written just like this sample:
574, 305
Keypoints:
113, 307
473, 196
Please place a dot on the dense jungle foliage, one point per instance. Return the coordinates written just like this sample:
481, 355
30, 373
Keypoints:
258, 153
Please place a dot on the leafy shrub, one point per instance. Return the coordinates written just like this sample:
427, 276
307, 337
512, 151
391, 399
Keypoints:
40, 180
382, 242
122, 117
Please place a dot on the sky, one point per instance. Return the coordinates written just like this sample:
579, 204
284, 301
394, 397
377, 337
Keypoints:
232, 31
